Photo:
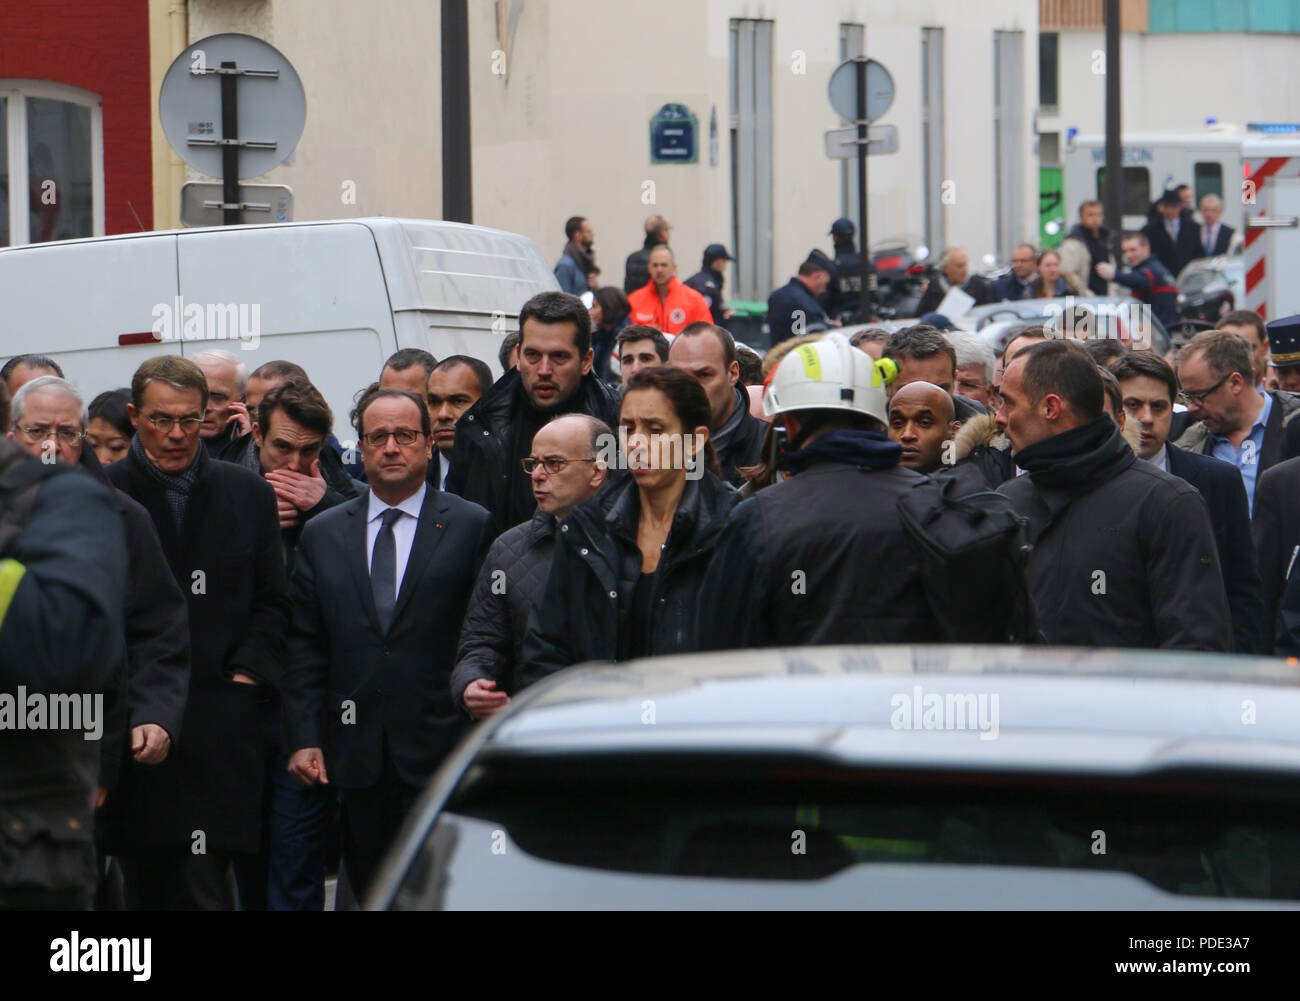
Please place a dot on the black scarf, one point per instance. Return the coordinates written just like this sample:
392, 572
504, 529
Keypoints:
586, 259
178, 487
1085, 456
864, 449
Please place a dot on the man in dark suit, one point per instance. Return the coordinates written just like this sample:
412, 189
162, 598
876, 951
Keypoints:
1148, 386
380, 587
1215, 236
1018, 284
1174, 238
178, 825
1277, 532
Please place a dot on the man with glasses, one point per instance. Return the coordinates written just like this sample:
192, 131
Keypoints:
564, 469
380, 585
48, 424
179, 825
1017, 284
1235, 421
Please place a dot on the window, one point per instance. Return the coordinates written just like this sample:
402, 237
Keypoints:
1137, 190
51, 162
1207, 179
1047, 69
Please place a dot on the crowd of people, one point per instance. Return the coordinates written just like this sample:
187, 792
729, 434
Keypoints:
291, 632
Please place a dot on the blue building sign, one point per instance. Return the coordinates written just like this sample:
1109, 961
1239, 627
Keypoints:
673, 135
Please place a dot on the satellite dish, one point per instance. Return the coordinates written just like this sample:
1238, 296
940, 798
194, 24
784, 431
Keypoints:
268, 95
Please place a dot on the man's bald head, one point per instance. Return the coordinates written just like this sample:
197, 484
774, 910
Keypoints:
922, 419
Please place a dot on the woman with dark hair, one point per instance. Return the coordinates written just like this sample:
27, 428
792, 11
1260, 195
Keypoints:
108, 427
628, 565
609, 315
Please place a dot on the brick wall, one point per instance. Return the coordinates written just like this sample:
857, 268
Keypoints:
101, 46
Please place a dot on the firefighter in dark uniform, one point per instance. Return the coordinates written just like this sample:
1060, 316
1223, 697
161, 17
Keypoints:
1148, 280
842, 295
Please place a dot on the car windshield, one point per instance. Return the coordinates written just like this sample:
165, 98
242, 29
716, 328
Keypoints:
1197, 835
1197, 281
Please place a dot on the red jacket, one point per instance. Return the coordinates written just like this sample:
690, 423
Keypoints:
681, 306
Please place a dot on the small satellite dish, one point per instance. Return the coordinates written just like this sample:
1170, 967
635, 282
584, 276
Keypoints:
270, 103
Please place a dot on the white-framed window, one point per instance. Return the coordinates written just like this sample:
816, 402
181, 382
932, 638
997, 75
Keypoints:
51, 162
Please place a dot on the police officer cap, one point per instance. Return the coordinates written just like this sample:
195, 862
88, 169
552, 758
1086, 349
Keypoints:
715, 252
1284, 341
823, 262
843, 227
1170, 197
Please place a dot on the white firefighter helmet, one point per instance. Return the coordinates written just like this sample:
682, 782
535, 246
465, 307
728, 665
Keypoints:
830, 374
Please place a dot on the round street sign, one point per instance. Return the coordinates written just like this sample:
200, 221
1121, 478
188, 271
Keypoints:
272, 104
843, 90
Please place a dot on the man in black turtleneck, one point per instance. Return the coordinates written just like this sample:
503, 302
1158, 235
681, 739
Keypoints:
1124, 553
553, 377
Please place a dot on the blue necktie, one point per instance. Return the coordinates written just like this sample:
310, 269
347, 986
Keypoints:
383, 569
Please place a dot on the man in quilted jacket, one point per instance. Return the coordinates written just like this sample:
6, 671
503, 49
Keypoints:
566, 469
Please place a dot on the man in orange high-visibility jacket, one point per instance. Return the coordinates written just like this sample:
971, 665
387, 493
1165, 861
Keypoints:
664, 302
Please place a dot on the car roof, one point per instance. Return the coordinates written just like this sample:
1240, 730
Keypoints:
1077, 710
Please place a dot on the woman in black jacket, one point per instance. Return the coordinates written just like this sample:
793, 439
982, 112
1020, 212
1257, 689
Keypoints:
628, 565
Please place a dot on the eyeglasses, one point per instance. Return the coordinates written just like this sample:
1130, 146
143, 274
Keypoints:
554, 464
164, 425
404, 436
1199, 398
42, 432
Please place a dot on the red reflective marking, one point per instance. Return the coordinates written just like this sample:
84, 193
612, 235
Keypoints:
148, 337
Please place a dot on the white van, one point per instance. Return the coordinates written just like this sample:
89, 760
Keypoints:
336, 297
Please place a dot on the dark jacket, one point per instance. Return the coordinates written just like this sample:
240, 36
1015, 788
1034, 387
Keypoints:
818, 558
229, 564
1151, 283
786, 303
1225, 496
843, 294
508, 586
1276, 530
1281, 433
230, 440
481, 460
637, 271
739, 441
1222, 240
1174, 256
584, 609
1124, 553
63, 576
156, 679
980, 444
396, 680
708, 283
1009, 287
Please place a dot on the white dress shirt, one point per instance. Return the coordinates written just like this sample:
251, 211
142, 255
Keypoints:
403, 529
444, 467
1209, 235
1160, 460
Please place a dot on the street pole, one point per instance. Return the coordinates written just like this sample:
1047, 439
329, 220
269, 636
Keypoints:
1114, 207
229, 148
864, 259
457, 192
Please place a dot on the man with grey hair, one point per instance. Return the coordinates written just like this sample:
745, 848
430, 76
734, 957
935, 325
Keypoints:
1216, 237
225, 419
975, 363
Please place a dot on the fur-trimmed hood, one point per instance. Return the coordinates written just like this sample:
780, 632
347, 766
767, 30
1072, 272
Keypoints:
980, 430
